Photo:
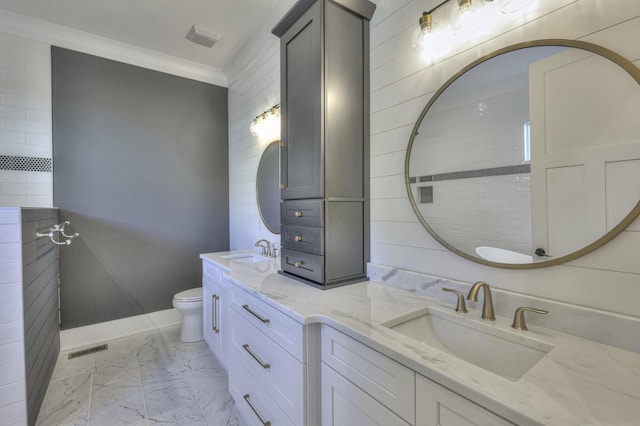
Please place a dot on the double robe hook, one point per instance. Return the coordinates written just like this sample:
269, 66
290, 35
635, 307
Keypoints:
54, 233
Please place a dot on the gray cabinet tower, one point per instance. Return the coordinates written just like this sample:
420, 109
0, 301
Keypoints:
324, 48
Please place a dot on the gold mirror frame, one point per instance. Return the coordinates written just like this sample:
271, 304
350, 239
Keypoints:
622, 62
272, 230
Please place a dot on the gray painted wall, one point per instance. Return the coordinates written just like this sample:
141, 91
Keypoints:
141, 171
40, 304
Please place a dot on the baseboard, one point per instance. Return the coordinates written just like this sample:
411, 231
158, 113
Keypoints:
82, 337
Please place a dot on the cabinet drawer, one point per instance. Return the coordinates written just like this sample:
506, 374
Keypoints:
278, 373
283, 330
253, 400
309, 266
302, 213
309, 240
440, 406
389, 382
343, 403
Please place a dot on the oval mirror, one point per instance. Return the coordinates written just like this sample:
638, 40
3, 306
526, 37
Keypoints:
529, 156
268, 187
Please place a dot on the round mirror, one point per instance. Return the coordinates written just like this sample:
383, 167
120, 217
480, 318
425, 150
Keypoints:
529, 156
268, 187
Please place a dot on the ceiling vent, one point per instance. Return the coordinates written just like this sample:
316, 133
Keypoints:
201, 36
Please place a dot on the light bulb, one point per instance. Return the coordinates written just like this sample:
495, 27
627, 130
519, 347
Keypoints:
464, 20
428, 40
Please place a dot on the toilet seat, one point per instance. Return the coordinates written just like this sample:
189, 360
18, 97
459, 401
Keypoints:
191, 295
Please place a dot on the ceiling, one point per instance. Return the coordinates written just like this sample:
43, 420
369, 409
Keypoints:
160, 25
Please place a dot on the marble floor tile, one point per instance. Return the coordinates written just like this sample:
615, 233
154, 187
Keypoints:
115, 364
66, 401
174, 404
146, 379
118, 403
72, 367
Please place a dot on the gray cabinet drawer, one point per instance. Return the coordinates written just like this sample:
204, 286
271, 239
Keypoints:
305, 265
309, 240
302, 213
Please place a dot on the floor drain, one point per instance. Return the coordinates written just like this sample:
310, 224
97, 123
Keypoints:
88, 351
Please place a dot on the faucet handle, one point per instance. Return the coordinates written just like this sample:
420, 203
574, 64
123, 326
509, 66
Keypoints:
461, 306
518, 320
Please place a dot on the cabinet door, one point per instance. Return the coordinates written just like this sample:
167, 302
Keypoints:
222, 310
344, 404
302, 105
208, 317
437, 406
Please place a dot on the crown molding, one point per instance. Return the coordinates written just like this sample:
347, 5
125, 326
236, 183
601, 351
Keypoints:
69, 38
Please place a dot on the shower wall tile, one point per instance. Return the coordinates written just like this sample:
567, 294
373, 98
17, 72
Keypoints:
25, 118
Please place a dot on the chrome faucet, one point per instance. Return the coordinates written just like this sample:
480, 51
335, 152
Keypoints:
266, 250
487, 307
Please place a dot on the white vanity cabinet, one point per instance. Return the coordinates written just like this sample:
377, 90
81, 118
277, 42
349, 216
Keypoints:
360, 386
215, 294
267, 372
439, 406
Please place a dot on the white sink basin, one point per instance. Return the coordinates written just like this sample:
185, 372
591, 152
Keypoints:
245, 257
509, 354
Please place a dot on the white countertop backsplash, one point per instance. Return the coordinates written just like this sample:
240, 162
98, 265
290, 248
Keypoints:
579, 382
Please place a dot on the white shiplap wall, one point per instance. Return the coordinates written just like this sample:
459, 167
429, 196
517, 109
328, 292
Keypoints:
25, 119
608, 279
257, 89
254, 86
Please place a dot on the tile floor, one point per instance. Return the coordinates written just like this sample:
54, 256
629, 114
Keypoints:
146, 379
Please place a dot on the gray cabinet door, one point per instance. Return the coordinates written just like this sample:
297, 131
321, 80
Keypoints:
302, 132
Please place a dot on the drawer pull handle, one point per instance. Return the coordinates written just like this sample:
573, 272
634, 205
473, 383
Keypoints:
251, 311
256, 357
216, 304
298, 264
297, 238
297, 214
257, 413
214, 313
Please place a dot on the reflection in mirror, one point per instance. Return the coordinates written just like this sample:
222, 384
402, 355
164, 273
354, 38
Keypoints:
268, 187
530, 157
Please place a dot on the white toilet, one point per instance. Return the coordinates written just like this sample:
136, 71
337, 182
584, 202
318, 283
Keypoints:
189, 304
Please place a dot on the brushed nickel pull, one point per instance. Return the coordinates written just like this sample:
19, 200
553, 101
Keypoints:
280, 181
216, 304
297, 238
518, 320
261, 318
298, 264
461, 306
297, 214
257, 413
256, 357
213, 312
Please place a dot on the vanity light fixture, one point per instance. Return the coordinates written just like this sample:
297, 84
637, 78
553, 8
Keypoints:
267, 125
467, 19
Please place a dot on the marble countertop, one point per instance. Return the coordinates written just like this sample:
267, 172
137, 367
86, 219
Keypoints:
578, 382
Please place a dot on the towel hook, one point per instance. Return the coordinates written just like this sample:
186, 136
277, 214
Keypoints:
58, 229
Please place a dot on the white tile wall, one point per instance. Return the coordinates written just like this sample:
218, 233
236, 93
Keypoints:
25, 119
12, 367
607, 279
